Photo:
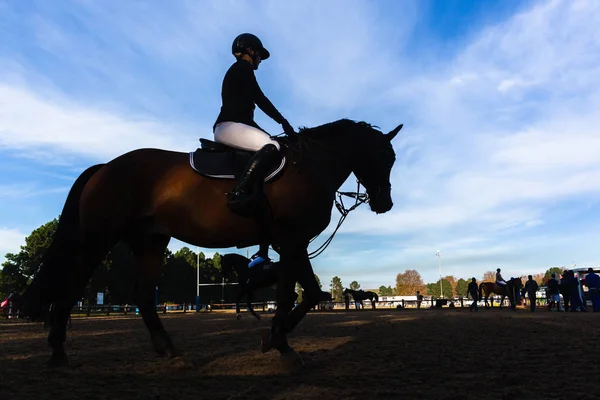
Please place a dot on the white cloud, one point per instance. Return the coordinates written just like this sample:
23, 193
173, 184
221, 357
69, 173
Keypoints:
11, 240
54, 125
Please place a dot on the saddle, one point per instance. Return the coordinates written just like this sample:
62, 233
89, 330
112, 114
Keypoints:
219, 161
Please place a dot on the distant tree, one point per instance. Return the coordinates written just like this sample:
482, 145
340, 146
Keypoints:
408, 282
461, 287
385, 291
540, 278
489, 276
557, 270
452, 281
19, 268
434, 289
337, 289
354, 285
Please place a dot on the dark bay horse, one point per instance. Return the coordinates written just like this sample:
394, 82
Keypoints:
148, 196
513, 285
360, 295
251, 279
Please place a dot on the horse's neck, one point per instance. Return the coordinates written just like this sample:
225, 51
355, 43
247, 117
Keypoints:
327, 156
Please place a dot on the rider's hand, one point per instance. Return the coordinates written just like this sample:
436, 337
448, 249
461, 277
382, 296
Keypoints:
287, 128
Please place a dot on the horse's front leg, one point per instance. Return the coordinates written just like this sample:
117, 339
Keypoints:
249, 304
296, 268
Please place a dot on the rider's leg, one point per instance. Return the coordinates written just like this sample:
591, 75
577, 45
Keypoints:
249, 138
261, 256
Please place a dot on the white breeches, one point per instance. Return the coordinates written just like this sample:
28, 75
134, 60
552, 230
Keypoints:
242, 136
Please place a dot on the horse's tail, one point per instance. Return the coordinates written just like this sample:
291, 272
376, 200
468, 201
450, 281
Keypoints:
375, 296
481, 290
51, 282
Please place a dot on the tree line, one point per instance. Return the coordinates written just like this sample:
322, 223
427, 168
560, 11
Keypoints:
115, 276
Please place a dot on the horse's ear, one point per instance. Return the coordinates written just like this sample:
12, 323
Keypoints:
392, 134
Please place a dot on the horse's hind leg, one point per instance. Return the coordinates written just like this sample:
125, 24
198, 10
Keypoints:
60, 311
149, 254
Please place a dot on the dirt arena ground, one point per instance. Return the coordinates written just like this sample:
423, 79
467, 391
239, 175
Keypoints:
424, 354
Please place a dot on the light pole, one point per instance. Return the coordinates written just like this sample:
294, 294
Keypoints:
439, 256
198, 280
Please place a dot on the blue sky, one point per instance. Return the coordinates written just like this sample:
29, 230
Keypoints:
497, 164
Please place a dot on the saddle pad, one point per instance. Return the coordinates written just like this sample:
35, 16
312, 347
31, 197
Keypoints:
228, 164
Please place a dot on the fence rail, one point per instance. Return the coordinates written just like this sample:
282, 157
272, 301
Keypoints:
266, 306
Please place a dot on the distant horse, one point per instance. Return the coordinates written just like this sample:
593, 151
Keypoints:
253, 278
360, 295
513, 285
148, 196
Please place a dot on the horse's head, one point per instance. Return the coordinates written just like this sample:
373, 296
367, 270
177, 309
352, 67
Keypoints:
517, 283
373, 164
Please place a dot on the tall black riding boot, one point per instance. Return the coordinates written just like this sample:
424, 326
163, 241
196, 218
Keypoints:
258, 166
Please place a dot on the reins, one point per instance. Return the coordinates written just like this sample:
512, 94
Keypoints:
359, 198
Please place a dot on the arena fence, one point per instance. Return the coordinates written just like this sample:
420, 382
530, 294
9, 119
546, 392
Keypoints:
269, 306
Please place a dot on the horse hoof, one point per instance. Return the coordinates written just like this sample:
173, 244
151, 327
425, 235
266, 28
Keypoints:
238, 317
265, 341
181, 362
58, 360
291, 360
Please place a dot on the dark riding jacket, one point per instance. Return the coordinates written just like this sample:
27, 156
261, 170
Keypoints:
592, 281
531, 287
553, 287
473, 290
240, 93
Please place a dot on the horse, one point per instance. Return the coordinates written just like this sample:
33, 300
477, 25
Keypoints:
147, 196
513, 285
251, 279
360, 295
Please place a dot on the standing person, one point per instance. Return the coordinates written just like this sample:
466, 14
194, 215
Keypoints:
473, 290
592, 281
347, 301
554, 293
419, 299
531, 287
235, 126
572, 286
565, 290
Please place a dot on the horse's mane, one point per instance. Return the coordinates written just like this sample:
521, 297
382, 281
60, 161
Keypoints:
326, 128
309, 139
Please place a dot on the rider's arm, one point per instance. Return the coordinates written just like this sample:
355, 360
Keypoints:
263, 102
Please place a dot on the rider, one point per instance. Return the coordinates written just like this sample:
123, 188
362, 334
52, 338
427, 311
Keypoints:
235, 124
500, 280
